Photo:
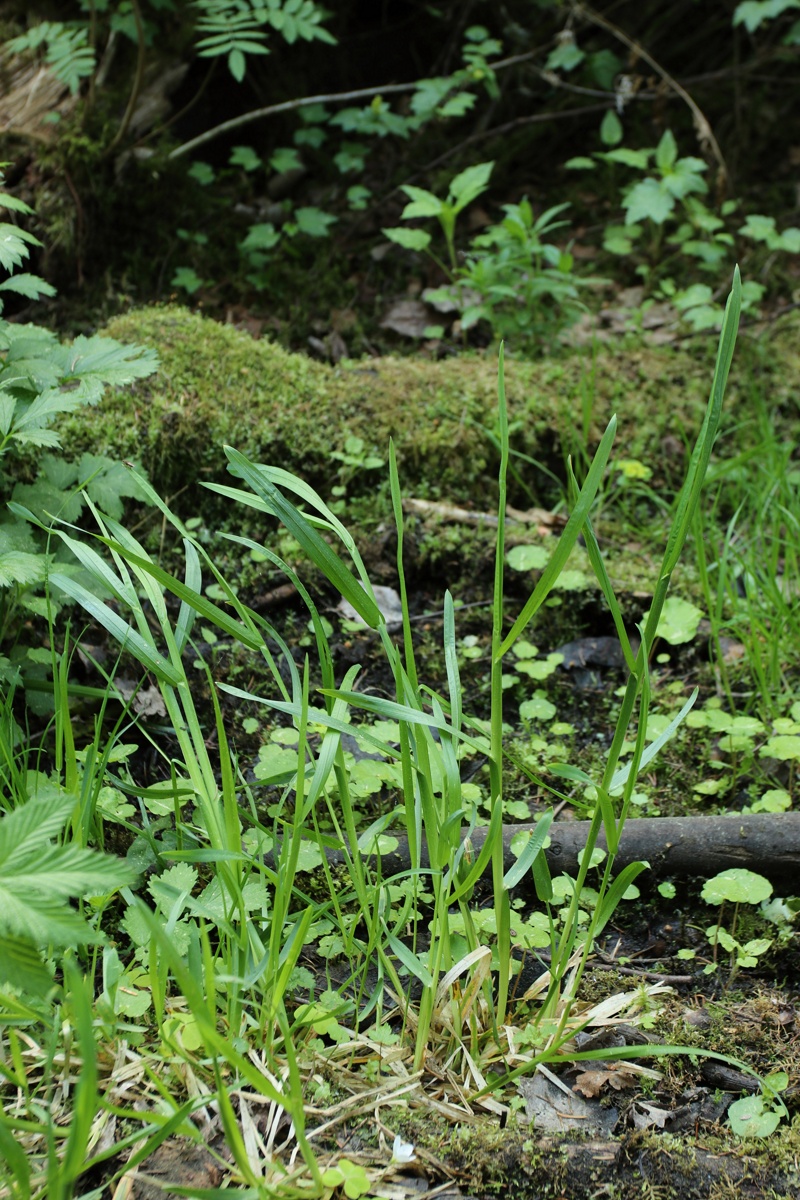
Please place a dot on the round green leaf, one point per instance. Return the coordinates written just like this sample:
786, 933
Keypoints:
679, 620
527, 558
784, 747
737, 885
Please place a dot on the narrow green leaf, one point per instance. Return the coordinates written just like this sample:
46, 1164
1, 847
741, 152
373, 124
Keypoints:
128, 637
188, 595
193, 580
494, 834
653, 748
698, 466
615, 893
85, 1099
530, 852
314, 546
567, 540
411, 961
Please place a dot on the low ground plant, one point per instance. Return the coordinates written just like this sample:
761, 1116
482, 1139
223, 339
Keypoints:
668, 222
513, 276
207, 976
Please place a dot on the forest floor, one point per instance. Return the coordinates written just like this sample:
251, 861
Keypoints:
609, 1127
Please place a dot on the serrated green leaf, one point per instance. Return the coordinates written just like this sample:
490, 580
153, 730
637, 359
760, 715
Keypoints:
23, 569
313, 221
285, 158
648, 200
566, 56
14, 246
469, 184
423, 204
34, 918
37, 876
28, 285
108, 483
49, 404
14, 204
46, 501
245, 157
16, 535
638, 159
108, 361
21, 967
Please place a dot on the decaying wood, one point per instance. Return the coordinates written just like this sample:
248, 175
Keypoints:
768, 843
29, 93
465, 516
693, 1171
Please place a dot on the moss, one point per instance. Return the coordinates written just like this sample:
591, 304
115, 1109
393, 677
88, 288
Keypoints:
216, 385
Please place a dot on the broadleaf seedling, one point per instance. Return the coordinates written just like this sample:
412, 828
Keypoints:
736, 886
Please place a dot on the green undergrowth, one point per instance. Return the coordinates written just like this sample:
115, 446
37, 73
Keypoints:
220, 962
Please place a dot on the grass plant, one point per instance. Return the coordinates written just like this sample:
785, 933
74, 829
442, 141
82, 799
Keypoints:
748, 577
215, 1003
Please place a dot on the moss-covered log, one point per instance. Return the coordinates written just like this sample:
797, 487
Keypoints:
217, 385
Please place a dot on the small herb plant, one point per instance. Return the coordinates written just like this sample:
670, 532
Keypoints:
41, 380
213, 976
37, 878
667, 221
736, 886
511, 276
353, 129
462, 190
420, 732
759, 1115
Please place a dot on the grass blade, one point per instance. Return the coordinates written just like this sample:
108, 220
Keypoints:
567, 540
312, 543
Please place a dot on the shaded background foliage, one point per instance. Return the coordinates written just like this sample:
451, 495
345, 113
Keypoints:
119, 215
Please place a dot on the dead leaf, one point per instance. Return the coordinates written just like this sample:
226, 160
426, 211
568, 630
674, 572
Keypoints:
147, 702
649, 1116
554, 1108
331, 348
732, 651
388, 603
594, 652
409, 318
241, 318
616, 1075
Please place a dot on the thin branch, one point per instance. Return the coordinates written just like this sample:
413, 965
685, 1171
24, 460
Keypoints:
137, 82
701, 123
272, 110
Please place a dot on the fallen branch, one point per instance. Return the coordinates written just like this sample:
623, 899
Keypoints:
768, 843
